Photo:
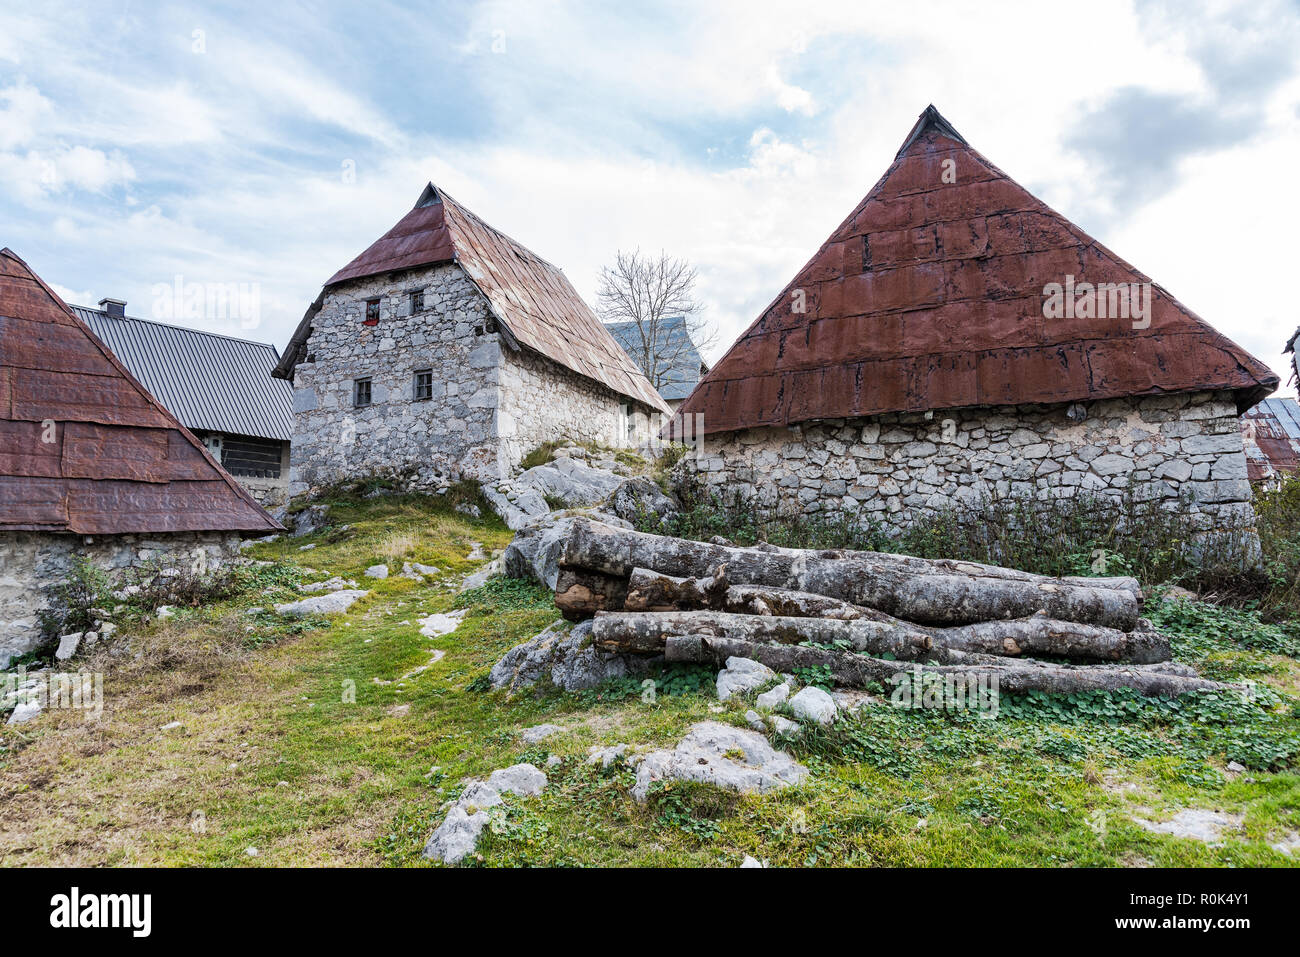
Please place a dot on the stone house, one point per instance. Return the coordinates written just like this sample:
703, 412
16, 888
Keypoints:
448, 351
91, 464
955, 340
218, 387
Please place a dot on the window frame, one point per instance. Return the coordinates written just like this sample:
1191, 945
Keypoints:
415, 385
372, 305
357, 384
416, 300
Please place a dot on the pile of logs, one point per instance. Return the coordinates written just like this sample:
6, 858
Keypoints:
867, 616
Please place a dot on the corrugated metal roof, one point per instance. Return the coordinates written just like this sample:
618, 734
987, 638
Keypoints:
116, 461
1271, 434
930, 295
211, 383
532, 298
680, 358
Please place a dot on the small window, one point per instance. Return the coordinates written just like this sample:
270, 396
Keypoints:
361, 392
423, 384
372, 312
417, 301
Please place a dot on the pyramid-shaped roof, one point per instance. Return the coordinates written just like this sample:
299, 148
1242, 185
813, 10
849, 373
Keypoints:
83, 447
931, 295
534, 301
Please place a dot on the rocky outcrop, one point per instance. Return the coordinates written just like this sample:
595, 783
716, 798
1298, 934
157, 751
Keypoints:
723, 756
331, 603
457, 836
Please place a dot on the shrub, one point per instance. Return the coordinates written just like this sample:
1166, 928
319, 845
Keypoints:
71, 601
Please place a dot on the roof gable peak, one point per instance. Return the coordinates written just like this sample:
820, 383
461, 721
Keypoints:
930, 119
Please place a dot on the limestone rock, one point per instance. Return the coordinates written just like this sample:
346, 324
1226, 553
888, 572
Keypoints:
741, 675
813, 704
566, 657
1195, 823
457, 836
525, 779
330, 584
773, 697
417, 572
329, 604
68, 645
377, 571
539, 731
723, 756
640, 496
606, 756
24, 712
311, 519
439, 624
535, 551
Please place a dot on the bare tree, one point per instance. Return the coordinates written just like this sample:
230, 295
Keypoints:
653, 292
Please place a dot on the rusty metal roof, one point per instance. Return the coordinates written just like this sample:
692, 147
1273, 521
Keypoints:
1271, 434
533, 300
211, 383
930, 295
115, 461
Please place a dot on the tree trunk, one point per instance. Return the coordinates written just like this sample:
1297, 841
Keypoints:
647, 632
1012, 677
919, 590
579, 594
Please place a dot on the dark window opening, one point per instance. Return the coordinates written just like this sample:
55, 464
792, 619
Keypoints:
372, 312
423, 384
251, 457
417, 301
361, 392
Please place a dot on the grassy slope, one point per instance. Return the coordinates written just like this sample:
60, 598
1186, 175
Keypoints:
270, 756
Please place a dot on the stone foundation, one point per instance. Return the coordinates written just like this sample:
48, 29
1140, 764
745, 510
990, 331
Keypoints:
896, 467
33, 562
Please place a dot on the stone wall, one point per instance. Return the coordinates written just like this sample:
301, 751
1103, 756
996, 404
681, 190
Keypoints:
491, 404
896, 466
32, 562
427, 443
542, 401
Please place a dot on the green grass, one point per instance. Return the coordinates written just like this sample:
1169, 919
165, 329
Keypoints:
273, 753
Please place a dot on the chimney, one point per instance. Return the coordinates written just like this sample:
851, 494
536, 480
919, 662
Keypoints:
114, 307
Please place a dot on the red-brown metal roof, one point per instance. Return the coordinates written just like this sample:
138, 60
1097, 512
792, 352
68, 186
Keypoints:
533, 299
83, 447
930, 295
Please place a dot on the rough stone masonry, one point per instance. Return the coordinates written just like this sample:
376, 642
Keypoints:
900, 465
486, 406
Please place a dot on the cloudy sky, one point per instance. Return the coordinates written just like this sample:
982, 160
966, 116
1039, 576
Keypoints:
267, 144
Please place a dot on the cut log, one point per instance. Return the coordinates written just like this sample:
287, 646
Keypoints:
647, 632
1009, 677
919, 590
579, 594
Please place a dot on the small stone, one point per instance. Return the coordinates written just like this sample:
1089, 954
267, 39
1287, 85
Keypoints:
165, 611
770, 699
250, 851
813, 704
741, 675
755, 720
68, 646
721, 755
539, 731
605, 756
377, 571
170, 725
1235, 767
328, 604
785, 728
523, 779
24, 712
752, 862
